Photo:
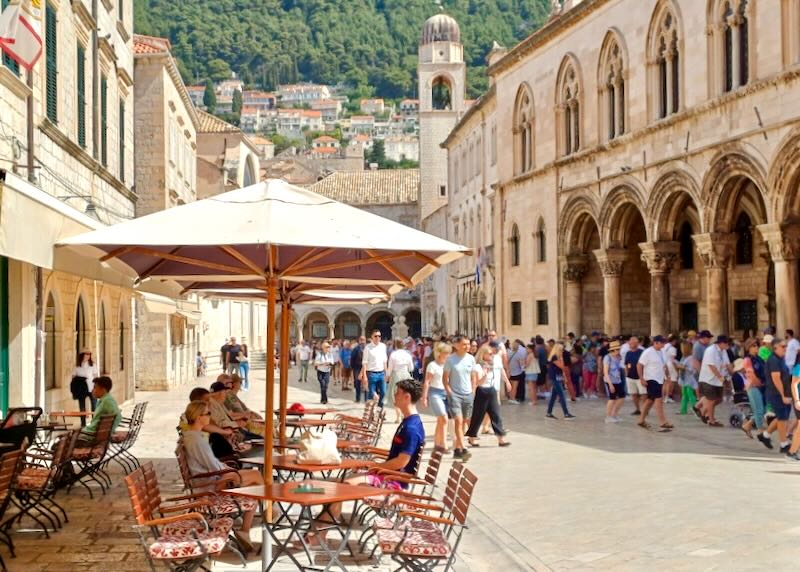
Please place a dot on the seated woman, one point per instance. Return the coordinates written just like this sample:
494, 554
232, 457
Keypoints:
222, 440
201, 459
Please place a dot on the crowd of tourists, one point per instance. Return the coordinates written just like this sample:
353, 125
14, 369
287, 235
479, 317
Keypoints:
465, 380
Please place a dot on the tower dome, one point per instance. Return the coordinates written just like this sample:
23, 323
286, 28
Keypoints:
441, 28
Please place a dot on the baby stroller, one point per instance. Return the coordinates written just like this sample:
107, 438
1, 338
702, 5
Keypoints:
741, 403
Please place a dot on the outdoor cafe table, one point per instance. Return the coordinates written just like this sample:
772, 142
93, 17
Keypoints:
309, 411
298, 424
285, 495
287, 467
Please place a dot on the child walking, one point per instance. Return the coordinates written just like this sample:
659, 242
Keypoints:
688, 379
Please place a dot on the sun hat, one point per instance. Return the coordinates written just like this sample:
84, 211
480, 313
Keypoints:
768, 339
614, 346
738, 365
704, 334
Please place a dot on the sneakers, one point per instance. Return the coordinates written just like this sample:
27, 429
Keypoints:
785, 448
765, 440
550, 416
569, 417
669, 400
513, 402
793, 456
612, 419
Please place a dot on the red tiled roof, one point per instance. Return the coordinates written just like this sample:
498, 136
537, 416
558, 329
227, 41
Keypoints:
150, 44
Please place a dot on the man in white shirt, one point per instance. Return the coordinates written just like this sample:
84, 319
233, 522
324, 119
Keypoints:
670, 353
652, 373
713, 370
373, 367
792, 347
303, 356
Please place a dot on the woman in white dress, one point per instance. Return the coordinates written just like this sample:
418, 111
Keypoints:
83, 376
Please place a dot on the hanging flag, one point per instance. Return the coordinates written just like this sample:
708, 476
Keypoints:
20, 32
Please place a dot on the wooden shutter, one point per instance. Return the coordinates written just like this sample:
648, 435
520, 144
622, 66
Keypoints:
104, 121
51, 63
121, 140
81, 89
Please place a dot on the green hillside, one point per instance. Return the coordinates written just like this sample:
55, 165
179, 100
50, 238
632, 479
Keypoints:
363, 42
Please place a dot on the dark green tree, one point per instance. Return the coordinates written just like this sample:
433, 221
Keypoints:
236, 105
377, 154
210, 97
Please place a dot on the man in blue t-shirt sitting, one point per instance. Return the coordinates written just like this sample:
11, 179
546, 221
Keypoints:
404, 453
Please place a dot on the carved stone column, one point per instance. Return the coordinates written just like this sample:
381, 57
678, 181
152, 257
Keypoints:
660, 257
784, 249
574, 269
611, 261
716, 250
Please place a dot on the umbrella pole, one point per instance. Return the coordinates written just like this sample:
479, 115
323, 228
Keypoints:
272, 286
286, 311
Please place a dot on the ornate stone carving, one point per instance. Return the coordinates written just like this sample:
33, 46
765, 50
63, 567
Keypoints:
611, 261
660, 257
574, 267
783, 241
715, 249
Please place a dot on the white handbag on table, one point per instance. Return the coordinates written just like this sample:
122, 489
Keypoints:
319, 448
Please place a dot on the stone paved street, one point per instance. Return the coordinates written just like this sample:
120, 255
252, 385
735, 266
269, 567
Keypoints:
566, 496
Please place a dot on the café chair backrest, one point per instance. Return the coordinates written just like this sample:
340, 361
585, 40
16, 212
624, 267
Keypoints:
464, 496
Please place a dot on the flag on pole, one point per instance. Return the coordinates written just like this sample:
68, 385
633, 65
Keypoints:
20, 32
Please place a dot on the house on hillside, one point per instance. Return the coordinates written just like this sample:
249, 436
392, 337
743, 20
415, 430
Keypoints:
196, 93
372, 106
302, 93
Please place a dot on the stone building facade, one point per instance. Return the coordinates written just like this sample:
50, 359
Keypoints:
167, 336
226, 158
74, 175
648, 173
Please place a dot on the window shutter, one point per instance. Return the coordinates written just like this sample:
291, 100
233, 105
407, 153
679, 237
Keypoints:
81, 88
8, 61
122, 140
104, 121
51, 63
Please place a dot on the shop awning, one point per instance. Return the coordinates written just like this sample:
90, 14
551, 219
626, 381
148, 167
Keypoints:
157, 304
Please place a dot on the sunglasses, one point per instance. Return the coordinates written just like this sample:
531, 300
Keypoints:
376, 336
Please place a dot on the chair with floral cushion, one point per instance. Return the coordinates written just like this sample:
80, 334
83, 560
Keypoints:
9, 470
206, 484
422, 541
90, 458
36, 485
182, 541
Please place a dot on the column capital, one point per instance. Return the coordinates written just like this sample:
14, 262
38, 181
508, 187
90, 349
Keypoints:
716, 249
783, 240
611, 260
574, 266
660, 257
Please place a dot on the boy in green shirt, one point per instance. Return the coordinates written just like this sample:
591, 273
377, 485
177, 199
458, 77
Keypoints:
106, 405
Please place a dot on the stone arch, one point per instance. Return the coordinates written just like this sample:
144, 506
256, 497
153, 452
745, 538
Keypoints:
675, 190
665, 31
784, 179
413, 316
123, 320
312, 321
53, 338
574, 215
620, 207
381, 318
442, 87
722, 189
347, 323
249, 175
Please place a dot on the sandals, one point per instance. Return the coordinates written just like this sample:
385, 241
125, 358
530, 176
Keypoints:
748, 432
667, 426
715, 423
472, 443
504, 444
643, 425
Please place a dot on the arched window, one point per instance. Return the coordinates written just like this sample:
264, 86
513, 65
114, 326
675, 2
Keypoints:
249, 173
102, 342
541, 242
514, 245
744, 239
686, 246
666, 58
731, 32
612, 88
569, 94
441, 94
523, 131
50, 328
80, 328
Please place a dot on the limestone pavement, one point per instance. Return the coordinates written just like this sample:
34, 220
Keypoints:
578, 495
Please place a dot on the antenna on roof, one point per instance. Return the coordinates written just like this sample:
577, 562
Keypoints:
439, 4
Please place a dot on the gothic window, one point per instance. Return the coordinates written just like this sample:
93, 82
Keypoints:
541, 242
744, 239
686, 246
666, 58
732, 33
441, 95
514, 245
569, 104
612, 89
523, 131
80, 328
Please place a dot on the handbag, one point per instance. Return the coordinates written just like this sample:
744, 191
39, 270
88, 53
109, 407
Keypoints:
79, 387
319, 448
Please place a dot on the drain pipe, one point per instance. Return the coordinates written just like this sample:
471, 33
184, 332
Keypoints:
95, 86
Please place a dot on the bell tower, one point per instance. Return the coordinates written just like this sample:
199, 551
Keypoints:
442, 77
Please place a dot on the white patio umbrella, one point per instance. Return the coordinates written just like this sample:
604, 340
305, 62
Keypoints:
287, 238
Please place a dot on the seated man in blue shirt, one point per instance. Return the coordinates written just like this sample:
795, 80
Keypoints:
404, 453
106, 405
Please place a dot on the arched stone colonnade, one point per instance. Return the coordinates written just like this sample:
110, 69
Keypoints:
684, 251
316, 322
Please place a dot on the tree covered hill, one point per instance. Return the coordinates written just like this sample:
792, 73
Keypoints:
367, 43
